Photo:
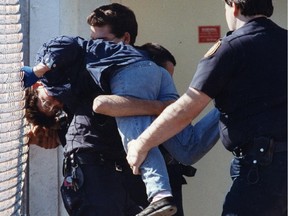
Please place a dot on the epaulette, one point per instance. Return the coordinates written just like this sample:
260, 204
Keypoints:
213, 49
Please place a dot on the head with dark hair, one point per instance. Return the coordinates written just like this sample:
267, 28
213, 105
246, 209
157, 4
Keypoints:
160, 55
253, 7
118, 17
41, 109
33, 113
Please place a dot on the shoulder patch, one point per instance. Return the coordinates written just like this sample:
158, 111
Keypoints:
213, 49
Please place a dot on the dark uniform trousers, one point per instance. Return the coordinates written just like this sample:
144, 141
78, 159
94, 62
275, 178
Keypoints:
100, 186
105, 187
259, 181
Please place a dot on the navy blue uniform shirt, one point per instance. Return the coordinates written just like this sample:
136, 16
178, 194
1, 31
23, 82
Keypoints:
247, 76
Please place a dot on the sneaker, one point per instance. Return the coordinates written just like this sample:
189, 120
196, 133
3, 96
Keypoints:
162, 207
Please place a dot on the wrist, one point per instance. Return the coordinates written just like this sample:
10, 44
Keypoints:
40, 69
142, 145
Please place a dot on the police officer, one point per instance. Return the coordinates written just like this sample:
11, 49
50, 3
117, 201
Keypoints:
246, 74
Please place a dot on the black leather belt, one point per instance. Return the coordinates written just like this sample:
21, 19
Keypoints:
241, 151
90, 158
98, 158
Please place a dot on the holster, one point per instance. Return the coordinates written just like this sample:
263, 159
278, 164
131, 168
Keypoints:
256, 154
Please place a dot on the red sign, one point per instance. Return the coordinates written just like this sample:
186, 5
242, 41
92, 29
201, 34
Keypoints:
208, 34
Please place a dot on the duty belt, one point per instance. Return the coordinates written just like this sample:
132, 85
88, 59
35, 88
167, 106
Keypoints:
243, 150
97, 158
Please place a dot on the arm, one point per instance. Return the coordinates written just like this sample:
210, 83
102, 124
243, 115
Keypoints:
40, 69
118, 106
171, 121
32, 75
57, 54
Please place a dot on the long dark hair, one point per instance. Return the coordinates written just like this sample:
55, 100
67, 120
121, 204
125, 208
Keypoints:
32, 112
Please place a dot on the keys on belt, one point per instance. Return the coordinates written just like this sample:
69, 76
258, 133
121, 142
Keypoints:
73, 176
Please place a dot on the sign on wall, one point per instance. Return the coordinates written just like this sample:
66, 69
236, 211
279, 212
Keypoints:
208, 34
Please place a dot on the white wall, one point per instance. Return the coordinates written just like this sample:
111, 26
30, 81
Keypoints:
43, 168
172, 23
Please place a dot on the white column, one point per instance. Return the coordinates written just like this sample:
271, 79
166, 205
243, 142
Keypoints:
43, 164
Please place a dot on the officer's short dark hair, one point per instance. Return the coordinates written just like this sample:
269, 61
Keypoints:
158, 54
120, 18
253, 7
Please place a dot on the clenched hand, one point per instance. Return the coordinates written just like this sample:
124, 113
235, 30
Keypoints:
135, 157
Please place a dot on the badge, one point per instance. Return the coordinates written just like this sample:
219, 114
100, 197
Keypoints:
213, 49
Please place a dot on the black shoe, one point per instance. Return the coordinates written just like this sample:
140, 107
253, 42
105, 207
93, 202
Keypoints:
162, 207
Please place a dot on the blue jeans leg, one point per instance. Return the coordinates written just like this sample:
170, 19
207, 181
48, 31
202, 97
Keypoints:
192, 143
144, 80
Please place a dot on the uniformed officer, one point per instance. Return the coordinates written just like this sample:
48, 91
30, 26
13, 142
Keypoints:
246, 74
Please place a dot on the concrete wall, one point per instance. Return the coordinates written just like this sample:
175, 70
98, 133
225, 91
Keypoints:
171, 23
43, 164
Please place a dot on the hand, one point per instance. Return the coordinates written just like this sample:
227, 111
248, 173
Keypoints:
29, 76
135, 157
43, 137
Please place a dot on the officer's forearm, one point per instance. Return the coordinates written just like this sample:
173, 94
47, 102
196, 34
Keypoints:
173, 119
118, 106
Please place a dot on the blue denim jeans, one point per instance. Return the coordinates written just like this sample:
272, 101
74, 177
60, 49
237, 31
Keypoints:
146, 80
194, 141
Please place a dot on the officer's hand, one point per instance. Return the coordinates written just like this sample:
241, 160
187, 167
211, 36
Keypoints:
135, 157
29, 76
43, 137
